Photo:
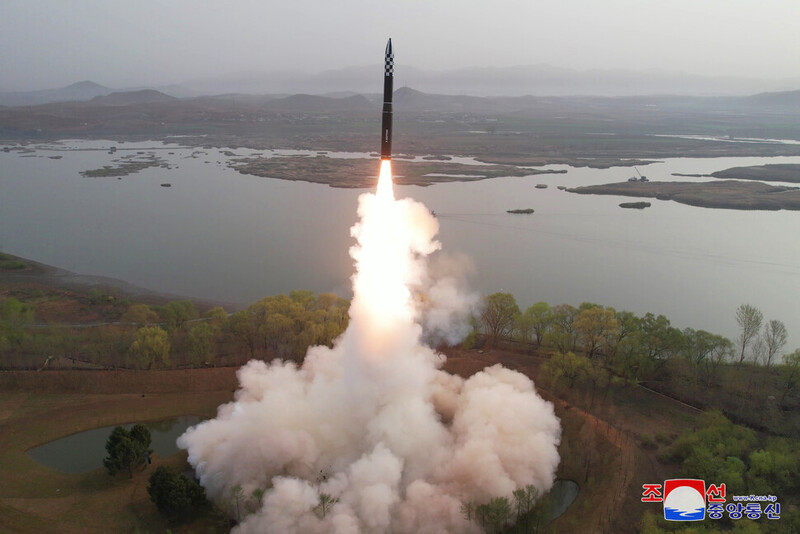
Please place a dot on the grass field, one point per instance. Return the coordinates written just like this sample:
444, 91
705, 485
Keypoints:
34, 498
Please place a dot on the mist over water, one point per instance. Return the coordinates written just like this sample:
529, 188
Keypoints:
374, 423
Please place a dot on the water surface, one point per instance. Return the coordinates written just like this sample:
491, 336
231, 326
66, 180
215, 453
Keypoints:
84, 451
220, 235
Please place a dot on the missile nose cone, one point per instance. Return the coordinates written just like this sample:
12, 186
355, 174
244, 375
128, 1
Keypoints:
389, 59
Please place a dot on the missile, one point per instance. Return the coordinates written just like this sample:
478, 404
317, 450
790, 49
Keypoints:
386, 125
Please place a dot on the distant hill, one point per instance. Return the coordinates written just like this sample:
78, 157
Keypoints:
77, 92
126, 98
781, 98
541, 80
411, 99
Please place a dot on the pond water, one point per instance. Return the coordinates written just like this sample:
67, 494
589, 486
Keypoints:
220, 235
562, 495
84, 451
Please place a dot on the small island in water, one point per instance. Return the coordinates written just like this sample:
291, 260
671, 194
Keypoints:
526, 211
726, 194
775, 172
635, 205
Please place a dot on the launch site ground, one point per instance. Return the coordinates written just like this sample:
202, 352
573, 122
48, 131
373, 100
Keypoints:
606, 459
603, 448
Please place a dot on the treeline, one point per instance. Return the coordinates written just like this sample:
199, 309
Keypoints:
174, 335
592, 346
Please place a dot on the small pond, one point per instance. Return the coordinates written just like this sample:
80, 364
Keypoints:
562, 494
85, 451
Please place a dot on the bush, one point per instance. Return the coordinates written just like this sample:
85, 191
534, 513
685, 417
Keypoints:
175, 495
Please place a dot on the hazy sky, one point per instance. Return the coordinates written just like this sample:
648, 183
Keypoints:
52, 43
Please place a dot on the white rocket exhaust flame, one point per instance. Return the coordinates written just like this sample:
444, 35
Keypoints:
373, 423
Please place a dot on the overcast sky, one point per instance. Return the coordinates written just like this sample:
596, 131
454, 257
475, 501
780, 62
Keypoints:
124, 43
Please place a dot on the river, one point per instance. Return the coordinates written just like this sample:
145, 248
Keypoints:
220, 235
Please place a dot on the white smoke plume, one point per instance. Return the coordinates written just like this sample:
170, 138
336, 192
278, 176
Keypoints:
371, 436
446, 306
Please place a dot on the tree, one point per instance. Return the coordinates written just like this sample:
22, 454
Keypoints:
242, 326
494, 514
523, 326
499, 314
705, 351
749, 320
175, 495
597, 377
151, 345
563, 328
774, 337
595, 326
569, 367
127, 450
199, 342
141, 434
140, 314
217, 318
540, 316
177, 312
659, 338
524, 503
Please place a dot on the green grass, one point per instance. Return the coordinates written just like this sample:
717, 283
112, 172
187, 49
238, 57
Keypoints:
34, 498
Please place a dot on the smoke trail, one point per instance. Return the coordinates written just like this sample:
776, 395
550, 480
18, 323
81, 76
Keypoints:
370, 435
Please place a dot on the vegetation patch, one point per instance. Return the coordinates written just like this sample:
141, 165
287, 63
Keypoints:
775, 172
728, 194
128, 165
338, 172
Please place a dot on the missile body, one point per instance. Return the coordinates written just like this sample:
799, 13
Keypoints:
386, 125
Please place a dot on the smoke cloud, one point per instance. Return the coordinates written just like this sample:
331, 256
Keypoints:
371, 436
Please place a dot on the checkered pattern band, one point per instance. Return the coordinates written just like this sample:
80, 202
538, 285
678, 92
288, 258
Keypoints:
390, 65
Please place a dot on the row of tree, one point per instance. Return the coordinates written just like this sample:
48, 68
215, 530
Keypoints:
281, 326
592, 346
176, 335
524, 513
637, 347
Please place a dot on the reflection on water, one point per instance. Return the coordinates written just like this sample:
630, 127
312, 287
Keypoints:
85, 451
